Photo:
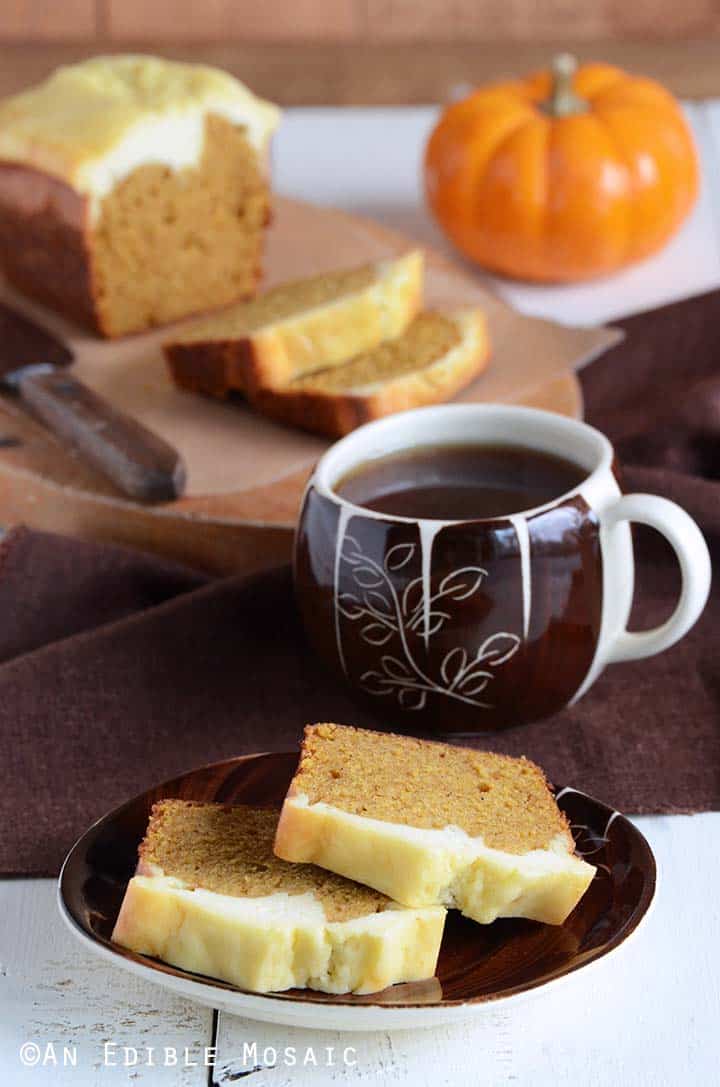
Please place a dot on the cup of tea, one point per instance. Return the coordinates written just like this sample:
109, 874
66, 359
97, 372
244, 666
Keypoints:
470, 567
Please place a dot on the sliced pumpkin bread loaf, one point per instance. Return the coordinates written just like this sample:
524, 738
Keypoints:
297, 327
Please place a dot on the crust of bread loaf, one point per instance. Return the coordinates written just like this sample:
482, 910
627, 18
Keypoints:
44, 242
213, 368
336, 414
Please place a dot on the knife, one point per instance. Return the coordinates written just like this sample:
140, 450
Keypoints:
33, 364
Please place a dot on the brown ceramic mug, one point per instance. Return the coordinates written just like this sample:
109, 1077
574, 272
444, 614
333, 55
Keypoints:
463, 626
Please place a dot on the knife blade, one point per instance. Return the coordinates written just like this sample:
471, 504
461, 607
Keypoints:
34, 365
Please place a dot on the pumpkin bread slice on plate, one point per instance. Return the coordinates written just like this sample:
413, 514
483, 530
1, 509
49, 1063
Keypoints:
210, 897
297, 327
432, 824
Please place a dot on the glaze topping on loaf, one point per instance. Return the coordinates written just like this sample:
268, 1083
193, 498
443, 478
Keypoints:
92, 124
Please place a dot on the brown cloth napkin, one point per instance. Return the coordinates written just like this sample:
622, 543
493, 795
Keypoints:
119, 669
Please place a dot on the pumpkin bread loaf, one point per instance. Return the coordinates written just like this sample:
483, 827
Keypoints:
210, 897
437, 355
432, 824
297, 327
134, 190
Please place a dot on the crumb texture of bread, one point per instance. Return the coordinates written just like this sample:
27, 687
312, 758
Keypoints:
296, 327
171, 243
438, 355
421, 783
230, 851
277, 305
431, 823
428, 338
210, 897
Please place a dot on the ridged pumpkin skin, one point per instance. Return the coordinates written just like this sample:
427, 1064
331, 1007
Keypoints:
561, 198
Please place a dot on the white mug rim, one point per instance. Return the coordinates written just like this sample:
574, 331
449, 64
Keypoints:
337, 461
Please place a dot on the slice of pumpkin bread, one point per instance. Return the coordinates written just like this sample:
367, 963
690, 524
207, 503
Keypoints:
209, 896
297, 327
436, 356
432, 824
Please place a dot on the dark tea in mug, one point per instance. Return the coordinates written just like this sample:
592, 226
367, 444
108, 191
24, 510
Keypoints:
460, 482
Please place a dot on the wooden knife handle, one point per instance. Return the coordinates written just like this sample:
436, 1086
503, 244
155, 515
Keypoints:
139, 462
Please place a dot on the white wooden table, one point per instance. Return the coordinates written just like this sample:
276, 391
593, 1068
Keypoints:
647, 1016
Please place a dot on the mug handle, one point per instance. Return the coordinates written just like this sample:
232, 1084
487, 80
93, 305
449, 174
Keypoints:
689, 545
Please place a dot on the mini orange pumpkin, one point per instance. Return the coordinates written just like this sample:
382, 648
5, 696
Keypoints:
562, 176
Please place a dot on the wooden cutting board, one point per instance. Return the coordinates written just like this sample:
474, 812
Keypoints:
245, 474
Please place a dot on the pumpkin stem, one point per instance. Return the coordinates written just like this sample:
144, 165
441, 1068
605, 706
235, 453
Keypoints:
563, 102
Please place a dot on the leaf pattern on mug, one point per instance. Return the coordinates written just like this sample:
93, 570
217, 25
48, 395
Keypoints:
387, 615
394, 668
473, 682
367, 578
412, 597
399, 556
349, 605
453, 665
376, 633
498, 648
436, 620
461, 584
412, 698
380, 603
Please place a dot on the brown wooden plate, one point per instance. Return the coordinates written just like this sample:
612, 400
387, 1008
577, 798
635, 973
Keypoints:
478, 963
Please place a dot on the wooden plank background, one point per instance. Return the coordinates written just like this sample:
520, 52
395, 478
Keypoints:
355, 20
320, 73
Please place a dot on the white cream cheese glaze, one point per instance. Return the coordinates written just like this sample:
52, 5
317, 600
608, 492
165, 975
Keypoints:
278, 941
420, 867
92, 124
